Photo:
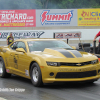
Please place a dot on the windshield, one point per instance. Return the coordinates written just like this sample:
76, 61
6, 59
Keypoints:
41, 45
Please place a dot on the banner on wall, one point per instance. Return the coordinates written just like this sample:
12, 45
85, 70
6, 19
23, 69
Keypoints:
88, 17
17, 18
56, 17
22, 34
67, 35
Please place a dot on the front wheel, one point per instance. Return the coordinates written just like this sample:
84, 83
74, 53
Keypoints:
3, 73
36, 76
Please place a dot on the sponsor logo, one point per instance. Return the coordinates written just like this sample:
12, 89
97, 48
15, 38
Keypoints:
77, 35
78, 64
26, 72
29, 34
56, 17
17, 18
59, 35
15, 61
68, 35
7, 70
80, 18
93, 14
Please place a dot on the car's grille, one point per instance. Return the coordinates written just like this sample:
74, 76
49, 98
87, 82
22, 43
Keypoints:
75, 64
76, 74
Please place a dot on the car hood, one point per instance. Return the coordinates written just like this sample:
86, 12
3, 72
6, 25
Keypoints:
64, 55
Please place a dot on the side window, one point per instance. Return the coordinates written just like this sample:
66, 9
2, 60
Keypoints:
14, 46
21, 45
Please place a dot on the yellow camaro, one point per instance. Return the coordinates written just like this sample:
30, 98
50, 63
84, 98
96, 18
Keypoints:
47, 61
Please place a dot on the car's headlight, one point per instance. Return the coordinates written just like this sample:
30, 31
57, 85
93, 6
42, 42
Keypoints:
94, 61
53, 63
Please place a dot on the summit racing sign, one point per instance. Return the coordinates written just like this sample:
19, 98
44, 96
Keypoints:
56, 17
64, 17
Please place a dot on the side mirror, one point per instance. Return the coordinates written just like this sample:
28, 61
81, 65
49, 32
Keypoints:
73, 47
20, 50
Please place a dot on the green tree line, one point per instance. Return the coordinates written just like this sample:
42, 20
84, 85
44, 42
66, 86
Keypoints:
48, 4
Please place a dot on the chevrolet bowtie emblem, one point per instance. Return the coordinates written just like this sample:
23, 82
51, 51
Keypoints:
78, 64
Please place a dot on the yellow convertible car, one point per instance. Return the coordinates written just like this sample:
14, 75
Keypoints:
47, 61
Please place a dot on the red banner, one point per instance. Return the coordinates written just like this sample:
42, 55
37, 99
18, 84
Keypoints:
17, 18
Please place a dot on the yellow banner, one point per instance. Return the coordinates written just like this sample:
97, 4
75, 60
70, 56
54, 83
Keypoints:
88, 17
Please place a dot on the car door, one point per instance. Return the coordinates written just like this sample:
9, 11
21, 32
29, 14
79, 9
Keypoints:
18, 59
21, 57
12, 58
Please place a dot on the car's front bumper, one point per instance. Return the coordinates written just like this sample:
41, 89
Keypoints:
49, 73
51, 80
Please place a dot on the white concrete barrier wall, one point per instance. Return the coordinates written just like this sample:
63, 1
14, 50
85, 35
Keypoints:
87, 35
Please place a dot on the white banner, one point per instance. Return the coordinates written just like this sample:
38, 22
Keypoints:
86, 34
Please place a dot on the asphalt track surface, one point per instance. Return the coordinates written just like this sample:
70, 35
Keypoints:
57, 91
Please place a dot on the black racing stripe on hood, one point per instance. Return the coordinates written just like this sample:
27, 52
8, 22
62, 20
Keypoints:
65, 53
76, 53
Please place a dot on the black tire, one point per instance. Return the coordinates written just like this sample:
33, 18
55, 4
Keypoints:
3, 73
36, 76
